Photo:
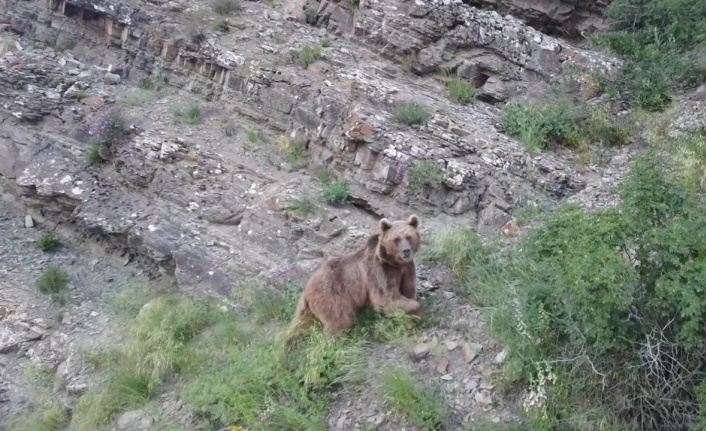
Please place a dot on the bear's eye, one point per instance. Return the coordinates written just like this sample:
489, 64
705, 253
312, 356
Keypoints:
409, 238
397, 239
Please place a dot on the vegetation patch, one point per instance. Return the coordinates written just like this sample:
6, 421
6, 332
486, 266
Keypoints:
602, 311
461, 91
336, 192
191, 116
295, 150
574, 125
412, 113
136, 98
425, 173
229, 365
663, 43
256, 136
309, 54
48, 242
54, 282
423, 406
303, 206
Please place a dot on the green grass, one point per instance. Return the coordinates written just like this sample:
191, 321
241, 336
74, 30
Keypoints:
322, 174
48, 242
139, 97
412, 113
309, 54
310, 14
563, 122
335, 192
303, 206
92, 155
54, 282
295, 151
191, 116
421, 405
229, 365
663, 43
425, 173
256, 136
453, 245
461, 91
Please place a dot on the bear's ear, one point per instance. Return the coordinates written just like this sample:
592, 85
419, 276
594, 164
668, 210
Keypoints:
413, 221
385, 225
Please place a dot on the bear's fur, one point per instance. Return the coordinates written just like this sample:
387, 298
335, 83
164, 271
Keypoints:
381, 274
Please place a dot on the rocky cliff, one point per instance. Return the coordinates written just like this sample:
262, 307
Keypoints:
207, 206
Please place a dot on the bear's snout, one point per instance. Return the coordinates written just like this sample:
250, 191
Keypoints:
407, 253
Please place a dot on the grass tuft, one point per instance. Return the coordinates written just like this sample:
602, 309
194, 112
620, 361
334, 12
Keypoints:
335, 192
412, 113
421, 405
54, 282
425, 173
48, 242
461, 91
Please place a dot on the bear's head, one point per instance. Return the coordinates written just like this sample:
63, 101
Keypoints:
399, 240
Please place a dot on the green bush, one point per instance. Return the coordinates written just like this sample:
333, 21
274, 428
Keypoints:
664, 45
425, 173
461, 91
335, 192
562, 123
412, 113
604, 311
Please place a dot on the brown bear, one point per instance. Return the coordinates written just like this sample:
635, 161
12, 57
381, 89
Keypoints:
382, 274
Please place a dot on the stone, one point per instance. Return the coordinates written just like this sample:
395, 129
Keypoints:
441, 365
135, 420
422, 349
500, 357
470, 351
29, 222
111, 78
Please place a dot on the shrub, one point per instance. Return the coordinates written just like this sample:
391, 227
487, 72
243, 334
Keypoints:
109, 127
295, 151
48, 242
303, 206
335, 192
608, 301
93, 155
256, 136
412, 113
425, 173
53, 282
191, 116
309, 54
223, 25
310, 14
461, 91
664, 45
562, 123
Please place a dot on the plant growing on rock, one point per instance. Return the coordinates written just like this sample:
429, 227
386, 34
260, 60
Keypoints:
588, 290
425, 173
562, 123
310, 14
412, 113
295, 150
663, 44
461, 91
48, 242
335, 192
256, 136
109, 127
54, 281
422, 405
309, 54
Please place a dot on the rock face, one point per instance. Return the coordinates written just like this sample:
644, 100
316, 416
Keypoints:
558, 17
192, 203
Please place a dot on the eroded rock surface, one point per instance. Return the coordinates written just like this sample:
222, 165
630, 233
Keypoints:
188, 200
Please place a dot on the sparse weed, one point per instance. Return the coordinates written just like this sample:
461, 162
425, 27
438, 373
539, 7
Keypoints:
48, 242
325, 42
223, 25
322, 174
192, 116
354, 3
43, 414
311, 15
461, 91
225, 7
93, 156
335, 192
141, 97
421, 405
255, 137
294, 151
412, 113
53, 282
309, 54
303, 206
425, 173
455, 246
